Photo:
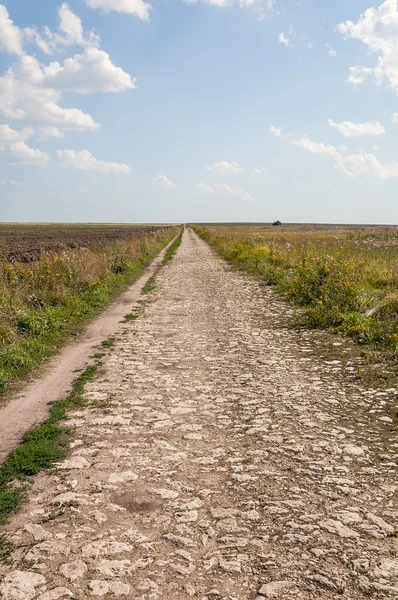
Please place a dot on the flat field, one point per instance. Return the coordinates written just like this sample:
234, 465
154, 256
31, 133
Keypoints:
27, 242
53, 278
345, 277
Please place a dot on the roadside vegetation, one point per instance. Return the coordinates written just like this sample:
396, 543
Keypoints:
345, 278
43, 302
170, 252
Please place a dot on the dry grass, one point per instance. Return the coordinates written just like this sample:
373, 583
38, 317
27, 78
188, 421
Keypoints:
345, 277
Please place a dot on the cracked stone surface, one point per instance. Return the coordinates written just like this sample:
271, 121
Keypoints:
219, 458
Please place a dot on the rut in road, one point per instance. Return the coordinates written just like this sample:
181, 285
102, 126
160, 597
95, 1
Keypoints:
218, 458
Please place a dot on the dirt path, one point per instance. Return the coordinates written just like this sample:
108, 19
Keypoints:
219, 459
29, 407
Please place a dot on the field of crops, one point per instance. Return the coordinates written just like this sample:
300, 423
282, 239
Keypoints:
346, 278
53, 278
25, 243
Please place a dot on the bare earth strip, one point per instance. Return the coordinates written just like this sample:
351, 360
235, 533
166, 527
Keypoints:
218, 459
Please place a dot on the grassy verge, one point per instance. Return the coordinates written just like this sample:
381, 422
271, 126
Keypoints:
150, 284
41, 448
43, 304
45, 445
345, 279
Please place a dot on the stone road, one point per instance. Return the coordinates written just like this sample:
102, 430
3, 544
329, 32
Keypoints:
219, 458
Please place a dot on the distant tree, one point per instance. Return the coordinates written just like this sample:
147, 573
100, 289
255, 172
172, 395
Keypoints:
276, 223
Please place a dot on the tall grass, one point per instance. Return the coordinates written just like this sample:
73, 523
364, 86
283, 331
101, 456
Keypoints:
42, 303
346, 278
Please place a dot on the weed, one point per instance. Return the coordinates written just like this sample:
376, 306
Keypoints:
149, 286
345, 278
43, 303
41, 448
6, 548
130, 317
108, 343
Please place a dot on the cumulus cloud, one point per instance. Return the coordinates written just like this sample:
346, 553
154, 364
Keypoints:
349, 129
282, 39
377, 28
10, 34
139, 8
85, 161
20, 153
225, 167
353, 165
316, 147
164, 181
92, 71
260, 171
31, 93
72, 33
7, 134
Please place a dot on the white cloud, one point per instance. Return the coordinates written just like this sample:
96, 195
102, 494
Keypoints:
364, 163
236, 191
164, 181
377, 28
353, 165
203, 187
358, 75
349, 129
45, 133
331, 51
92, 71
276, 131
10, 135
85, 161
316, 147
72, 33
10, 34
282, 39
31, 92
260, 171
139, 8
21, 154
225, 167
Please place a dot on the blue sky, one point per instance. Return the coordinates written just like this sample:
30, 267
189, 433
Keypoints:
199, 110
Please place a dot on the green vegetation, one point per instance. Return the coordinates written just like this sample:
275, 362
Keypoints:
170, 252
345, 278
43, 303
6, 548
172, 249
41, 448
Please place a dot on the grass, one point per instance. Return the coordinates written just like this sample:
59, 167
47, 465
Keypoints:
344, 278
43, 304
129, 317
172, 249
6, 548
170, 252
41, 448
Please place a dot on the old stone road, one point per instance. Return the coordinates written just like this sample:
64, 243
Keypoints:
219, 457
